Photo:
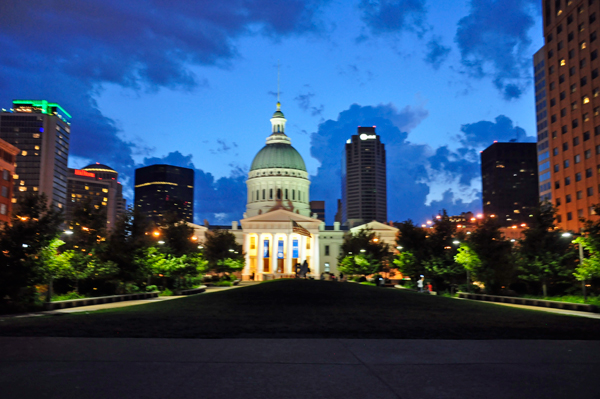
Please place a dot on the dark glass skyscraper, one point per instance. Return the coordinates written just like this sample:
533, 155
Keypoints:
510, 180
160, 189
364, 190
41, 131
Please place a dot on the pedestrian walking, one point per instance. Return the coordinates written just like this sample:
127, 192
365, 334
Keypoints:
420, 283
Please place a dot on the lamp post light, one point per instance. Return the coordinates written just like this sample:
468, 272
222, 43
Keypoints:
569, 234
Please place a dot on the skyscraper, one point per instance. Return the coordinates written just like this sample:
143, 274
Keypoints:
509, 177
41, 131
364, 191
98, 183
160, 189
569, 148
8, 156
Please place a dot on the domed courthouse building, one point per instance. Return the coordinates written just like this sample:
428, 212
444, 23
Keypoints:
278, 230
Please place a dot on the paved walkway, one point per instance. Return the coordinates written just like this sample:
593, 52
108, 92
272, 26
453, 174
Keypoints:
114, 305
589, 315
295, 368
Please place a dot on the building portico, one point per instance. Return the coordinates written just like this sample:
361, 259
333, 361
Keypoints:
272, 247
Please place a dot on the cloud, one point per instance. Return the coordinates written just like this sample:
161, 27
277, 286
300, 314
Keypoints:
493, 41
482, 134
66, 50
218, 201
436, 52
393, 16
305, 103
223, 147
407, 173
462, 164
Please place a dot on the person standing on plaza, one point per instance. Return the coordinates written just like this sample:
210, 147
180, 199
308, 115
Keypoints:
420, 283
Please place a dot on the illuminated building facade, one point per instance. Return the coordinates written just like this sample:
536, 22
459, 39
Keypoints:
160, 189
510, 179
570, 150
41, 131
8, 157
364, 187
98, 183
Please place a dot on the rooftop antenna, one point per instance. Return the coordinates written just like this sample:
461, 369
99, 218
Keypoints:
278, 83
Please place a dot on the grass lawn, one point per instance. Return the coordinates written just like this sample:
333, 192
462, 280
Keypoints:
311, 309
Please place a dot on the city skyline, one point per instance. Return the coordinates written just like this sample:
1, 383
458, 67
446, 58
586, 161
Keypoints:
422, 72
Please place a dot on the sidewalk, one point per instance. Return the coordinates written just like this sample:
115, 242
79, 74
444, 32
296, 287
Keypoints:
589, 315
115, 305
297, 368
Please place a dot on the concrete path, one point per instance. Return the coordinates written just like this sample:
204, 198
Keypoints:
114, 305
589, 315
295, 368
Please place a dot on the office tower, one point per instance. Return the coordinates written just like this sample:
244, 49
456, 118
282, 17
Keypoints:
572, 86
364, 194
8, 157
338, 212
41, 131
318, 207
160, 189
509, 177
98, 183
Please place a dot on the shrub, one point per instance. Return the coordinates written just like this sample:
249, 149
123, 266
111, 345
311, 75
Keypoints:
166, 292
367, 283
131, 288
67, 296
151, 288
223, 283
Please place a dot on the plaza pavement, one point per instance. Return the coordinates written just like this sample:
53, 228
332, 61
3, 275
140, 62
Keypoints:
83, 368
296, 368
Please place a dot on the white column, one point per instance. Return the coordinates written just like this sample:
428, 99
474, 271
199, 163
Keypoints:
259, 267
315, 254
246, 271
288, 255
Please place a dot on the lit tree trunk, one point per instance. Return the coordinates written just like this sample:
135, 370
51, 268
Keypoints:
544, 287
49, 292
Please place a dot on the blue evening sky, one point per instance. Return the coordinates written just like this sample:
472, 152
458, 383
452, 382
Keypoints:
194, 84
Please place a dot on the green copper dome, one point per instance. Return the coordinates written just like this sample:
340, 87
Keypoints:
278, 155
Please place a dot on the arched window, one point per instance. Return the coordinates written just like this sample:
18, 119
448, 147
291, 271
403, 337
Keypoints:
286, 193
278, 193
293, 195
257, 196
263, 193
271, 193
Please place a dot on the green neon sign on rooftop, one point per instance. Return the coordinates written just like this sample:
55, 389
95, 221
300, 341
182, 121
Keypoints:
44, 105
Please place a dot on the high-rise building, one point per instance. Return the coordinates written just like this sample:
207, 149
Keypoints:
8, 157
569, 150
98, 183
160, 189
509, 178
318, 208
41, 131
364, 191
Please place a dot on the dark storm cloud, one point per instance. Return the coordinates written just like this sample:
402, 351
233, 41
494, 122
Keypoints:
436, 52
482, 134
493, 41
65, 50
392, 16
219, 201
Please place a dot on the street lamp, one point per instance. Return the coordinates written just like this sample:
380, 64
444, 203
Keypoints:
569, 234
68, 232
363, 250
161, 242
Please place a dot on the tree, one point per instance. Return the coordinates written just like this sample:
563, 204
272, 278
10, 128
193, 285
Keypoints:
496, 268
590, 241
412, 240
366, 243
178, 236
439, 262
468, 259
543, 255
88, 224
131, 235
359, 264
34, 224
220, 246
